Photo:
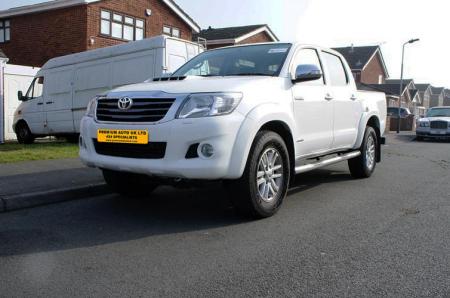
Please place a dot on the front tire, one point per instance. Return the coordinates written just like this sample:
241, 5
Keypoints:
364, 165
23, 133
129, 184
419, 138
264, 184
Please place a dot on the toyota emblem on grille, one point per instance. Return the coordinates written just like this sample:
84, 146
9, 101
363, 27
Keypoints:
125, 103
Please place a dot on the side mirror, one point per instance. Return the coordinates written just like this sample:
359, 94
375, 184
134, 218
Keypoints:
307, 72
20, 96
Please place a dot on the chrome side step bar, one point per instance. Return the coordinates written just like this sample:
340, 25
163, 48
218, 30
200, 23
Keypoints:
326, 162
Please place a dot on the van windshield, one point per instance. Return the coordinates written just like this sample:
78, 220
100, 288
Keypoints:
263, 60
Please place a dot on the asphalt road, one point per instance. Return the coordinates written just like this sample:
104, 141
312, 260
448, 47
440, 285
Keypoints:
384, 236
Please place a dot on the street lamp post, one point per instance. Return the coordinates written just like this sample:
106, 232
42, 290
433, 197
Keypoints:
401, 83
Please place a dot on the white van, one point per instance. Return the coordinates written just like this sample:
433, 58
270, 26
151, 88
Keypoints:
57, 98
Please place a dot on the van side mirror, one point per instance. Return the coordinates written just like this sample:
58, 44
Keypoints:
307, 72
20, 96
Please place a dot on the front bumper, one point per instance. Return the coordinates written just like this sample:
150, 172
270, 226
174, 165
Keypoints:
433, 133
179, 135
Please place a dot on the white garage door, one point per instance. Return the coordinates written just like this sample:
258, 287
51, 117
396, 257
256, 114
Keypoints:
17, 78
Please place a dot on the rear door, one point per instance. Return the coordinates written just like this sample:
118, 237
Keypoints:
313, 109
347, 106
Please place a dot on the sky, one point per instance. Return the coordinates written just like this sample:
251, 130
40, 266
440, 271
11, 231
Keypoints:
334, 23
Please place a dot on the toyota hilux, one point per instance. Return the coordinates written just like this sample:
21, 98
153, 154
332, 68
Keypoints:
251, 116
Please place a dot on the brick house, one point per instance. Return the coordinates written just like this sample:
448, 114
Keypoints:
222, 37
366, 62
31, 35
437, 96
425, 93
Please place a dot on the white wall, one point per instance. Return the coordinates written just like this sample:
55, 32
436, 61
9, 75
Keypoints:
16, 78
2, 122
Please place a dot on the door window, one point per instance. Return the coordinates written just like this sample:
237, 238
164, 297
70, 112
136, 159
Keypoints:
309, 56
36, 88
338, 75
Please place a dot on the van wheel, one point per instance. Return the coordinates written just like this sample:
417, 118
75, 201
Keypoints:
129, 184
23, 133
364, 165
264, 184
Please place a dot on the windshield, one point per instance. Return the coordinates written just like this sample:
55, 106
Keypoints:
264, 60
441, 112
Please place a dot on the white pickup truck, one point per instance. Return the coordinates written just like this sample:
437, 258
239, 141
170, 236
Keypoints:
251, 116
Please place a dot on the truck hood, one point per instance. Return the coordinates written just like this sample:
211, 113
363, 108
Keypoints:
195, 84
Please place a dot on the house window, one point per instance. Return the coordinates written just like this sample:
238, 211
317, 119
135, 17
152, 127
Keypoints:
171, 31
5, 31
121, 26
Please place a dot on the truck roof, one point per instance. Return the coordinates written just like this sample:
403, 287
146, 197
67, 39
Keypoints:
127, 48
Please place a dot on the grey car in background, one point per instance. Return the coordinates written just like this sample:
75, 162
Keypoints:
436, 124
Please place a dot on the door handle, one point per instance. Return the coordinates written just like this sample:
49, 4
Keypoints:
353, 97
40, 103
49, 102
328, 96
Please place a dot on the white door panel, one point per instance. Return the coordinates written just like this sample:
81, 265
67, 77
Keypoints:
58, 101
347, 113
314, 119
312, 109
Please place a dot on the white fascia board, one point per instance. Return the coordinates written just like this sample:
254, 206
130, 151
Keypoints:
257, 31
183, 16
50, 5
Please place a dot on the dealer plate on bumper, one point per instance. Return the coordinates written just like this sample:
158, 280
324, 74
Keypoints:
122, 136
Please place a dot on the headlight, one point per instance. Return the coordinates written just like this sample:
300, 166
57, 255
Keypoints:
209, 104
424, 124
92, 106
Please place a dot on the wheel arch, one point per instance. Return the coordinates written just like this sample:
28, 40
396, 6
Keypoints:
374, 122
18, 122
270, 117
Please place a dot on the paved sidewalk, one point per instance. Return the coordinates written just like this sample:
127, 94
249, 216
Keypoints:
27, 184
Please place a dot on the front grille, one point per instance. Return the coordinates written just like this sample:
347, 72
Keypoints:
142, 110
439, 124
155, 150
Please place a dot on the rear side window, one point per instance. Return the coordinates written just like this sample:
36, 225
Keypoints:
338, 75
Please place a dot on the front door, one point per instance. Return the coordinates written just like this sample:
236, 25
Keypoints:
313, 109
33, 109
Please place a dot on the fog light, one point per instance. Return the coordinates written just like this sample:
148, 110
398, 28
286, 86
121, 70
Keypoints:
207, 150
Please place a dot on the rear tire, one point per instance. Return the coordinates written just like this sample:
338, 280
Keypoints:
364, 165
260, 191
23, 133
129, 184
